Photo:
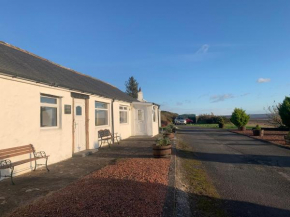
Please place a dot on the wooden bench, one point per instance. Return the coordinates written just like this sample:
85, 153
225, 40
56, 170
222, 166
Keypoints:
6, 163
105, 135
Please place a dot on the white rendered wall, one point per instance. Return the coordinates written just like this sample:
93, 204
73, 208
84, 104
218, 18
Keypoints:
20, 121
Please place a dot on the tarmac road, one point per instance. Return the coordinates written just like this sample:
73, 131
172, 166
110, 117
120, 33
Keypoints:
251, 176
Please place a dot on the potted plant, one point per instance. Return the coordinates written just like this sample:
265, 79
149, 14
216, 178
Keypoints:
162, 148
284, 112
167, 131
221, 122
240, 118
257, 131
287, 139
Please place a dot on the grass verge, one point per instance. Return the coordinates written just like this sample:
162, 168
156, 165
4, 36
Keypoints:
204, 198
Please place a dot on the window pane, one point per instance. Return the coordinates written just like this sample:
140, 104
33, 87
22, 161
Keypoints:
78, 110
123, 117
101, 117
48, 116
49, 100
101, 105
140, 115
154, 115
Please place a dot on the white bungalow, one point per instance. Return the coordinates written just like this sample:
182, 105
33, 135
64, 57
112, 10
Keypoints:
60, 111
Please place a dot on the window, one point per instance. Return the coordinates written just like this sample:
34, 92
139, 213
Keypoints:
123, 114
140, 115
48, 111
101, 114
154, 114
78, 110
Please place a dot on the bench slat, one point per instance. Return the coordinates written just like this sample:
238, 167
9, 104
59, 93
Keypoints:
5, 156
15, 148
16, 151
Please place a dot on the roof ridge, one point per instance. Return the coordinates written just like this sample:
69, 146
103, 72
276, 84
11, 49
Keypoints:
39, 57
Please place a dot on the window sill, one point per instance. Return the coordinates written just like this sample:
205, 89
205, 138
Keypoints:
49, 128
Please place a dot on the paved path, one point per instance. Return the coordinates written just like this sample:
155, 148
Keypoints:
251, 176
33, 185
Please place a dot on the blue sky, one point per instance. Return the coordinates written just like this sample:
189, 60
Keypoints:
189, 56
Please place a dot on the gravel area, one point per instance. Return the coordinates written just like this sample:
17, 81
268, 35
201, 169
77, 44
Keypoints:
271, 136
131, 187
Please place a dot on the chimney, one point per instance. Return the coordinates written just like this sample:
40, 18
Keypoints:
140, 95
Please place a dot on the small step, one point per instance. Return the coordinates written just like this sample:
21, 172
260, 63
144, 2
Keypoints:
85, 153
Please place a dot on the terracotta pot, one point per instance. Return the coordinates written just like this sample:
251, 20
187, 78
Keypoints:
258, 132
287, 140
242, 128
161, 151
221, 125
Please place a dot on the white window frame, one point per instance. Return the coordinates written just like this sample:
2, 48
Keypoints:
103, 109
154, 115
51, 105
125, 109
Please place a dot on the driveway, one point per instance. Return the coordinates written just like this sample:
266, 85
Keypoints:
252, 177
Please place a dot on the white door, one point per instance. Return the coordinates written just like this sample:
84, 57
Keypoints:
140, 122
79, 125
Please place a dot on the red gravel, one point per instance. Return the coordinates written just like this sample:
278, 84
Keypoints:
271, 136
133, 187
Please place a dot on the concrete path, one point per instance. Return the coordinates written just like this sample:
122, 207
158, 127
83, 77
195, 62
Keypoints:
33, 185
251, 176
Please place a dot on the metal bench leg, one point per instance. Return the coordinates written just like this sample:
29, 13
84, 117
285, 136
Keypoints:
12, 169
46, 165
35, 166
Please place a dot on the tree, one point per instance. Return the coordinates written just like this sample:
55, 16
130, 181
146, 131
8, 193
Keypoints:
284, 111
132, 87
240, 118
274, 116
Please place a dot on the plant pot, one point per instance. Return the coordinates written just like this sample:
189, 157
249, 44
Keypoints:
242, 128
161, 151
221, 125
258, 132
287, 140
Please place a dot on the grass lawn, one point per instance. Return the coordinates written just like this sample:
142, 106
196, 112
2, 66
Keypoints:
227, 126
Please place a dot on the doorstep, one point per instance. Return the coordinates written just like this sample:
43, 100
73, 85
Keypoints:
85, 153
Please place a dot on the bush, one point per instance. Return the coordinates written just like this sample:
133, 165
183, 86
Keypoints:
258, 127
162, 141
220, 120
284, 111
240, 118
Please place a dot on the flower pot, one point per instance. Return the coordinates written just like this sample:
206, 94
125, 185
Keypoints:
258, 132
161, 151
242, 128
287, 140
221, 125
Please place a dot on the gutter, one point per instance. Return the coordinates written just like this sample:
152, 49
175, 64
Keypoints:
113, 127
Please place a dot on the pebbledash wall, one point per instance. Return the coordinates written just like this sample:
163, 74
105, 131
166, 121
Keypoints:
20, 120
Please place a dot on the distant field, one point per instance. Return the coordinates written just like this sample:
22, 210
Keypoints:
252, 123
227, 126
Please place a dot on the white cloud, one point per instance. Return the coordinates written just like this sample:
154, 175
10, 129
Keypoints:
203, 50
219, 98
245, 94
263, 80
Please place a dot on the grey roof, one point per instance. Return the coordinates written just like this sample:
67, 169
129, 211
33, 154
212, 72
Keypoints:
20, 63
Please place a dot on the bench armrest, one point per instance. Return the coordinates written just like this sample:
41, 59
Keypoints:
40, 154
5, 163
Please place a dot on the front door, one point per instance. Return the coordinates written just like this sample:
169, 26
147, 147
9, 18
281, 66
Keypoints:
140, 122
79, 125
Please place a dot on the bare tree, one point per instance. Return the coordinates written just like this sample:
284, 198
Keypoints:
273, 115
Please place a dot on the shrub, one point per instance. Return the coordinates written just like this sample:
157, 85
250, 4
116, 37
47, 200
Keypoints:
239, 117
168, 129
284, 111
258, 127
220, 120
162, 141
